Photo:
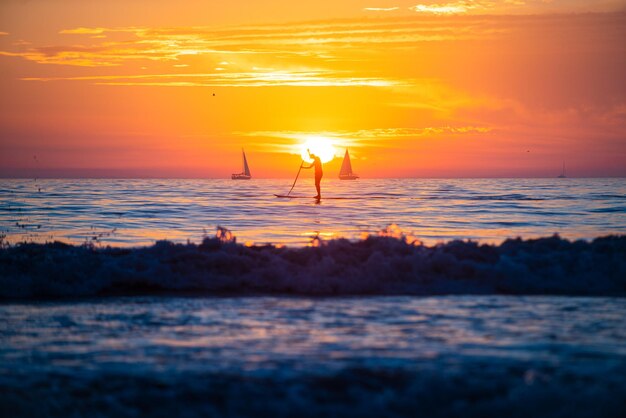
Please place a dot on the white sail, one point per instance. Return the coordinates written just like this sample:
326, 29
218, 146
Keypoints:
346, 166
245, 174
346, 169
246, 169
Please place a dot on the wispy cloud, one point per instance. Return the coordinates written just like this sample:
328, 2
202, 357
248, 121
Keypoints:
371, 133
523, 7
321, 39
260, 78
381, 9
290, 141
3, 33
447, 8
320, 53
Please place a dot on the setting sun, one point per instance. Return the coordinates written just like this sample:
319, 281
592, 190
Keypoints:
319, 146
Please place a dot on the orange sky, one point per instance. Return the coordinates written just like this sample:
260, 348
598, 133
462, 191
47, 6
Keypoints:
413, 88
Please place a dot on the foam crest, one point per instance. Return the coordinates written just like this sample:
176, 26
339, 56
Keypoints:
389, 263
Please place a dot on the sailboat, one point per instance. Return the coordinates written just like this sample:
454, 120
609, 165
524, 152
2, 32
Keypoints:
245, 174
562, 175
346, 169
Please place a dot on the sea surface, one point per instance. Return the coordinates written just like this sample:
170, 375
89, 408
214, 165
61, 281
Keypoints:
376, 327
290, 356
139, 212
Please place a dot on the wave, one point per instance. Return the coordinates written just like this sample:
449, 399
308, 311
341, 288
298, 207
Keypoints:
461, 387
388, 264
620, 209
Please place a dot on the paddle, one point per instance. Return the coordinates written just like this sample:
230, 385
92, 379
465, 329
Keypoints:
297, 175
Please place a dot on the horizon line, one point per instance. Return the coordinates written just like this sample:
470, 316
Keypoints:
327, 178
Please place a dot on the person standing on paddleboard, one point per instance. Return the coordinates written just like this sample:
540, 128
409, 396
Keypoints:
317, 163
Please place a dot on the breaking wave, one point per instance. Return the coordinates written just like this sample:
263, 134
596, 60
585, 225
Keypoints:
376, 265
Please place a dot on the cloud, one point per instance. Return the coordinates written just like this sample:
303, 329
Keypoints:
83, 31
319, 53
260, 78
447, 8
324, 39
523, 7
3, 33
381, 9
466, 53
289, 141
371, 133
101, 30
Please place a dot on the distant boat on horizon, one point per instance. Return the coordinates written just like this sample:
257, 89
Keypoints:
245, 174
346, 169
562, 175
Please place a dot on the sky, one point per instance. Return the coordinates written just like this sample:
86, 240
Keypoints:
156, 88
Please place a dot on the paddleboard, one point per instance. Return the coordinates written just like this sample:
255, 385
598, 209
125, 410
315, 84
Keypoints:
285, 196
294, 197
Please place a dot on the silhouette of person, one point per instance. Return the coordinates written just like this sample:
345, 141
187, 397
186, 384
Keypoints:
317, 163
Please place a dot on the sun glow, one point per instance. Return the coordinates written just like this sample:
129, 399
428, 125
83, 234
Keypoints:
410, 88
318, 145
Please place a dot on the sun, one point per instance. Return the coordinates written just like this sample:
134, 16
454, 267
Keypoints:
318, 145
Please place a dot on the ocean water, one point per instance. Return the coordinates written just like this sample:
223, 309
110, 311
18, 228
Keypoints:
366, 327
139, 212
307, 357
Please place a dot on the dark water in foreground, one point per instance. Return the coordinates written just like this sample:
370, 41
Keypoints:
286, 356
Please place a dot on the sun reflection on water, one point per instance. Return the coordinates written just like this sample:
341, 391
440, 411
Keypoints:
140, 212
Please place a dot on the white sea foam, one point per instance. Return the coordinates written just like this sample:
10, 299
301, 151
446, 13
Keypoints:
374, 265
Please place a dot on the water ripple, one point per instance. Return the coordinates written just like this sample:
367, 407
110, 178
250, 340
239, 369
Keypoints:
142, 211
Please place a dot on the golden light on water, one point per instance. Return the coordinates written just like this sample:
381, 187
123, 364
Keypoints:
318, 145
